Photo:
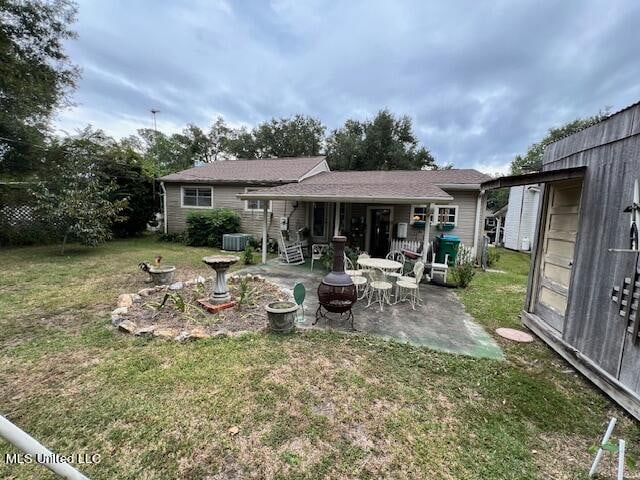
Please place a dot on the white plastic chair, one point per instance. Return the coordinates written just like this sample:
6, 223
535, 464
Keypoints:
409, 290
438, 268
317, 250
379, 290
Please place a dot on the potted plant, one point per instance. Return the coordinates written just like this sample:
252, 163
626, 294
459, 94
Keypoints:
282, 316
445, 227
417, 223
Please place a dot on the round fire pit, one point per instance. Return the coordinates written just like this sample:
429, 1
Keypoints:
162, 275
282, 316
220, 263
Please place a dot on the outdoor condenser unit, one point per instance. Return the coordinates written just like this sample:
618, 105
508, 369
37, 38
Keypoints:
235, 242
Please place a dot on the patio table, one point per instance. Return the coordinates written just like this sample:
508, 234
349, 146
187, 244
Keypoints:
381, 263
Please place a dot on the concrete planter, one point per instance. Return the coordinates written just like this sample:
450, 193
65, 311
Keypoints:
162, 275
282, 316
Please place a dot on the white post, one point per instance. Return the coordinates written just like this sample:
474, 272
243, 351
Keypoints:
427, 233
25, 442
265, 224
620, 459
336, 225
476, 228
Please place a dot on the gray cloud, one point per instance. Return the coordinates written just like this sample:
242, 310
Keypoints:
481, 80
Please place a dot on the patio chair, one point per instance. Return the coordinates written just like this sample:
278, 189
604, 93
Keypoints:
317, 250
396, 256
438, 268
379, 289
290, 253
364, 270
410, 277
409, 290
349, 269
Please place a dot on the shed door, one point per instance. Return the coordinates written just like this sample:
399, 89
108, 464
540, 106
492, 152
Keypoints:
557, 248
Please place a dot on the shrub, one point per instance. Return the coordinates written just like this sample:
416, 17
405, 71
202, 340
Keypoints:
205, 229
248, 256
174, 237
493, 256
327, 257
464, 270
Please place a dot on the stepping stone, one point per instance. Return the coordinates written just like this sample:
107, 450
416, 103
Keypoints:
515, 335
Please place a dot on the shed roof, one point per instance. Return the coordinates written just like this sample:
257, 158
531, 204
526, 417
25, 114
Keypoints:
398, 186
271, 170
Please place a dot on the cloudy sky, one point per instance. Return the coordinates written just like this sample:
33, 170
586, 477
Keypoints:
481, 80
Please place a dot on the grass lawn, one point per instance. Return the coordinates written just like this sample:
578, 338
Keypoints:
309, 405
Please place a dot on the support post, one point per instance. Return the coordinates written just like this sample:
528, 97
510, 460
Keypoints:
336, 224
427, 234
265, 224
476, 228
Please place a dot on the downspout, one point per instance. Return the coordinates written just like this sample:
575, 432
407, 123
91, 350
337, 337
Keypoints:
476, 229
164, 206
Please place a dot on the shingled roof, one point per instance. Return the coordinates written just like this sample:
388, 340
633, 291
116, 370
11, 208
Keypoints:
269, 171
420, 186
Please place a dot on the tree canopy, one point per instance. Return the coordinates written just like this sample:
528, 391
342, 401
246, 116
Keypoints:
36, 76
385, 143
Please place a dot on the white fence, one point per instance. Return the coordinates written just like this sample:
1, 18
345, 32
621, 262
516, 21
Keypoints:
411, 245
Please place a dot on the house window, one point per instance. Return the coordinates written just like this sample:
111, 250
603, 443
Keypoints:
318, 220
418, 213
197, 197
445, 214
253, 204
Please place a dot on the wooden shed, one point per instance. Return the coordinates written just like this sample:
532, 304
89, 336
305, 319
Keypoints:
584, 284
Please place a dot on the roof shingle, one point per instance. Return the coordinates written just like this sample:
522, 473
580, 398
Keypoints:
272, 170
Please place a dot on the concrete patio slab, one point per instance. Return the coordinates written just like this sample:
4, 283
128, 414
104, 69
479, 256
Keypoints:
440, 323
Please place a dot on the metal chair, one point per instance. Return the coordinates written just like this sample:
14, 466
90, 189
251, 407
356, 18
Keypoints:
299, 294
349, 269
409, 290
396, 256
364, 270
379, 289
412, 276
359, 280
317, 250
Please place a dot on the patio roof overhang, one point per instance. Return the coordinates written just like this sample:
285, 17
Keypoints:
352, 193
533, 178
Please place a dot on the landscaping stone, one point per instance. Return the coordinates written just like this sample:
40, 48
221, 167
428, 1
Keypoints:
120, 311
166, 332
142, 331
125, 300
176, 286
127, 326
221, 333
182, 336
116, 320
135, 297
145, 292
200, 279
198, 333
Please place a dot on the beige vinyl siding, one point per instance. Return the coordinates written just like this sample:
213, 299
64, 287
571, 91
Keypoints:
224, 196
466, 202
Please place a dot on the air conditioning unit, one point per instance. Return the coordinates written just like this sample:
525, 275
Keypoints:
235, 242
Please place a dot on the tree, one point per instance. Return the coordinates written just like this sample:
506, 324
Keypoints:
385, 143
532, 160
75, 198
279, 137
36, 76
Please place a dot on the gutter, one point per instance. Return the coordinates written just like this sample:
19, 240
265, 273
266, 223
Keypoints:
164, 206
334, 198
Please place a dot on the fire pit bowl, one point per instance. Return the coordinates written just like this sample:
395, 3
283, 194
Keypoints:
282, 316
162, 275
220, 263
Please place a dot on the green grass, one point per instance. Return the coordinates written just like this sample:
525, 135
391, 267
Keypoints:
308, 406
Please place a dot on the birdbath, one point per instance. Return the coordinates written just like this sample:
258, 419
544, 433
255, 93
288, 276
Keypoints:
220, 263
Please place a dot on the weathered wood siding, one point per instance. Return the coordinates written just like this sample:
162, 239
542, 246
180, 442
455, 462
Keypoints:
225, 196
593, 326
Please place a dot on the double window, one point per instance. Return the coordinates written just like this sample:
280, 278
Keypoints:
251, 205
441, 214
197, 197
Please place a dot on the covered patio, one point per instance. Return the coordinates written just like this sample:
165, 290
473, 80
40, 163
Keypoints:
374, 210
440, 323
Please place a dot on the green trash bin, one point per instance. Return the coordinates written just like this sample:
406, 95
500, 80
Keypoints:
447, 244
